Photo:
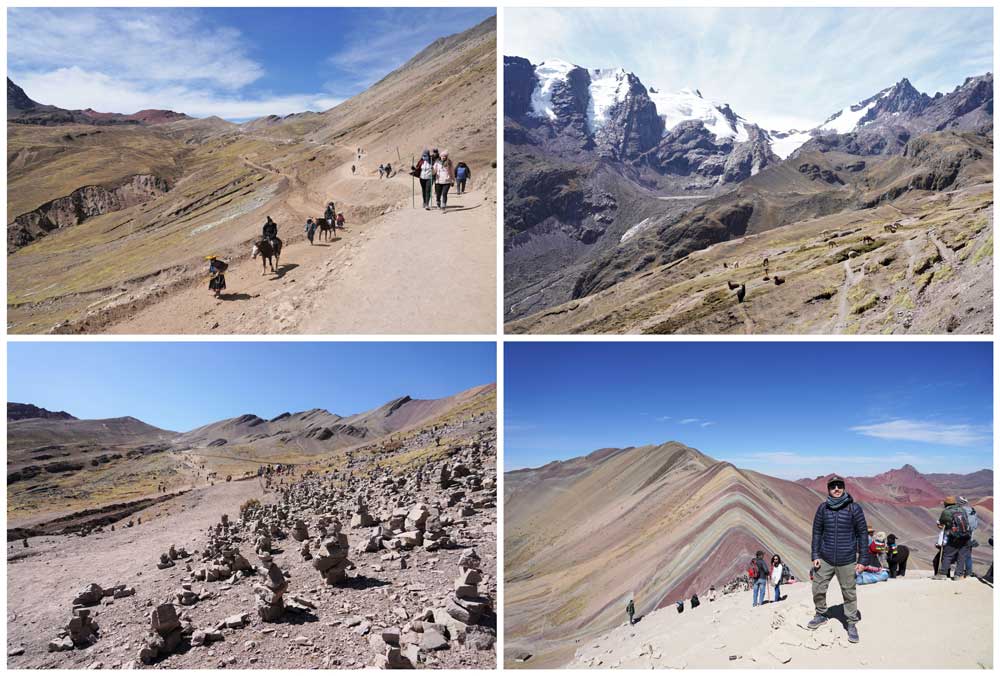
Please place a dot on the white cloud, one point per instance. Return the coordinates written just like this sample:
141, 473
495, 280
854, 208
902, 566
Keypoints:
159, 45
707, 423
926, 432
688, 421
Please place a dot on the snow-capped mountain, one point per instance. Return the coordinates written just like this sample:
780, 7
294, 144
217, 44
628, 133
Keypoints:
610, 112
883, 123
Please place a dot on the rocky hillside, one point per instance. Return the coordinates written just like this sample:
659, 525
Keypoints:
607, 180
92, 463
671, 521
17, 411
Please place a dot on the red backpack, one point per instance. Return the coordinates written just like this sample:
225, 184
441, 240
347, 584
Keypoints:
752, 570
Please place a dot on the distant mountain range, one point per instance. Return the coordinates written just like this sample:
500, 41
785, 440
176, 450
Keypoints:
605, 178
21, 109
656, 522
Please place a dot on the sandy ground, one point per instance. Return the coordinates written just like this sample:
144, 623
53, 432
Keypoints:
911, 622
409, 271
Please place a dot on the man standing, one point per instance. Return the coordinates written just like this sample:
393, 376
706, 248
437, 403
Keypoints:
957, 539
760, 574
839, 539
630, 609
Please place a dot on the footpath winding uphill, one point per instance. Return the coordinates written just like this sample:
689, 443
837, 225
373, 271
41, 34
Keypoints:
393, 274
901, 627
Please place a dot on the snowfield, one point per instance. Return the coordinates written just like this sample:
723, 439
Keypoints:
549, 74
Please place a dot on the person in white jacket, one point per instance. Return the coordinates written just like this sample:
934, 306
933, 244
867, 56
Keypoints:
776, 570
444, 176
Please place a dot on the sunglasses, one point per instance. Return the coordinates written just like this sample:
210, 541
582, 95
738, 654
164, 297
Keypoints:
836, 486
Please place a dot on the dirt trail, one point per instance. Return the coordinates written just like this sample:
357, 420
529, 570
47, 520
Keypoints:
843, 304
408, 271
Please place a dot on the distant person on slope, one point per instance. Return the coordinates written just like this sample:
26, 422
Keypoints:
758, 577
310, 230
462, 174
217, 276
353, 169
340, 220
630, 609
777, 570
424, 171
957, 538
381, 170
973, 525
443, 178
838, 547
388, 170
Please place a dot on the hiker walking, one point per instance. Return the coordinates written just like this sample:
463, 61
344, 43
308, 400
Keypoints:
388, 170
216, 275
758, 577
310, 230
777, 570
630, 609
424, 171
973, 525
443, 178
711, 593
381, 170
957, 538
340, 220
462, 174
352, 169
839, 537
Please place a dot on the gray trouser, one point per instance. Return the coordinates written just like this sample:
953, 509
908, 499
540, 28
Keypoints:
848, 588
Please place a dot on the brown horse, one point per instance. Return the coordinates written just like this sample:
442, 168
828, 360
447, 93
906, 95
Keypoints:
268, 251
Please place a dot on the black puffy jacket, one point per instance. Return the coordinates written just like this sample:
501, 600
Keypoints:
840, 536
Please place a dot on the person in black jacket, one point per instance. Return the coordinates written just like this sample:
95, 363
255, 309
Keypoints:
839, 541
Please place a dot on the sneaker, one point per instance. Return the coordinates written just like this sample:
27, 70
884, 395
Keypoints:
940, 577
852, 634
817, 622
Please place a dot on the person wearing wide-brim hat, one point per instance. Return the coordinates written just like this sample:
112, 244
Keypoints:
839, 540
216, 268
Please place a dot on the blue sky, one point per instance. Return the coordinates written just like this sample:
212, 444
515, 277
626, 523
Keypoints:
170, 385
237, 63
779, 67
792, 410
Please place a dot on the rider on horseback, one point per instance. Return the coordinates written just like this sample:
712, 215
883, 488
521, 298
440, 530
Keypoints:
270, 231
331, 216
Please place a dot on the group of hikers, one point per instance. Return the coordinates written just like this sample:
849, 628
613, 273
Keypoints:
845, 547
436, 172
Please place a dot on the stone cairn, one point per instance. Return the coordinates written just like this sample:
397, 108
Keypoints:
270, 606
79, 632
187, 597
465, 605
173, 554
165, 635
361, 518
300, 532
333, 564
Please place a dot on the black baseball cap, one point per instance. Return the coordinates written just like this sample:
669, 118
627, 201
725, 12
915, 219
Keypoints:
835, 479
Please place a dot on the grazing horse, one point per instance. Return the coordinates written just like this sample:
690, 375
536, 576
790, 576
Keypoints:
330, 229
268, 252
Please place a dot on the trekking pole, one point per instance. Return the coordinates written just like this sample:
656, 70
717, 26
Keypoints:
413, 187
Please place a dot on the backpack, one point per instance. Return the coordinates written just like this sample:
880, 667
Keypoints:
460, 173
959, 524
695, 602
752, 570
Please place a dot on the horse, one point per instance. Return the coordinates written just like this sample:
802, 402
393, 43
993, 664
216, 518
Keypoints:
269, 253
329, 228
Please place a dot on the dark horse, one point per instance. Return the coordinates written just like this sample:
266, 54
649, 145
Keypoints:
329, 229
268, 252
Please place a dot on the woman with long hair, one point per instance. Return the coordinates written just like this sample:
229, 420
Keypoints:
776, 570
